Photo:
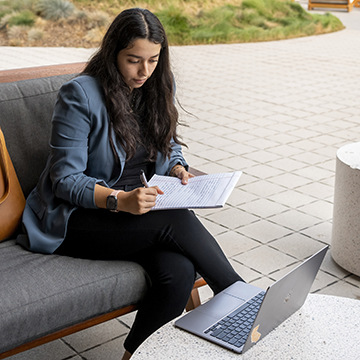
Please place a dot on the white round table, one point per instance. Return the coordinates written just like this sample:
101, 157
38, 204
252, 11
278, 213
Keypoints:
326, 327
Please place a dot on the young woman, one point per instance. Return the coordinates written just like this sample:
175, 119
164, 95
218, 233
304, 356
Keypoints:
113, 120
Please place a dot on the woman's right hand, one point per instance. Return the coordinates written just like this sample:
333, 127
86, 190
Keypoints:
138, 201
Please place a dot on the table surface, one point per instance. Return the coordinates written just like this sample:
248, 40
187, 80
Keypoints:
349, 155
326, 327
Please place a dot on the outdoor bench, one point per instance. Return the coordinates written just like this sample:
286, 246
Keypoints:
46, 297
332, 4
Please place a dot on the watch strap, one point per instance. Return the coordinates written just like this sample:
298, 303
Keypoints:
114, 193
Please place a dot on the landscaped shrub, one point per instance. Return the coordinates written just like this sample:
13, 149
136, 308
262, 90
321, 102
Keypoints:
21, 5
55, 9
175, 22
78, 16
327, 20
4, 21
95, 35
35, 34
98, 19
187, 22
26, 18
247, 21
17, 33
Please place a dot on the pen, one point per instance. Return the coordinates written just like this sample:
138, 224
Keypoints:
143, 179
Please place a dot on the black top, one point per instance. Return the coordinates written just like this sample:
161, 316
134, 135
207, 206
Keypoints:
130, 178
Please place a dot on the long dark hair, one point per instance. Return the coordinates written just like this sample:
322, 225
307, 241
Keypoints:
161, 116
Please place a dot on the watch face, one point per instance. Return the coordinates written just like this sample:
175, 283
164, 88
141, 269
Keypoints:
111, 202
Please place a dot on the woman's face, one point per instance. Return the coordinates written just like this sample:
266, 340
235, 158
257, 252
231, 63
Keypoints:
137, 62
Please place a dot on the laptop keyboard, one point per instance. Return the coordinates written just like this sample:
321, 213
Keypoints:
235, 327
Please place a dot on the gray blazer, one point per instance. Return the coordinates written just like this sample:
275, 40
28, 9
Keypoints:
80, 157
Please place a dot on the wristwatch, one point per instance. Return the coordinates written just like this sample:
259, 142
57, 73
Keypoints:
112, 201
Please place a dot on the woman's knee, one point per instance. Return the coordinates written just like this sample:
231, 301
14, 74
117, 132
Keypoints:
170, 270
183, 272
177, 271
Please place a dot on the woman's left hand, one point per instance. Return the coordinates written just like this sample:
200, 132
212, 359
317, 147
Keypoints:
181, 173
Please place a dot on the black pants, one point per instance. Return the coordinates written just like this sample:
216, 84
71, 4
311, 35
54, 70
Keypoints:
171, 246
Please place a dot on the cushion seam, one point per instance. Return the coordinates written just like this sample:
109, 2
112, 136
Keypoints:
28, 96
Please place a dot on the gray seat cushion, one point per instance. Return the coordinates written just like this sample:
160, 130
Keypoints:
41, 294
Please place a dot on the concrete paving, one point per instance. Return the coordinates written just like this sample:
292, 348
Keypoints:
278, 111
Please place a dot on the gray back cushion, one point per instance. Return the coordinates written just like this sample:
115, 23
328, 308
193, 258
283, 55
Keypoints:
25, 118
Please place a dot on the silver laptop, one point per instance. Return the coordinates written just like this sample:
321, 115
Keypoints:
242, 314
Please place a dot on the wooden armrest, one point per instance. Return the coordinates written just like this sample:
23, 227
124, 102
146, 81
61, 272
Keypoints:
40, 72
196, 172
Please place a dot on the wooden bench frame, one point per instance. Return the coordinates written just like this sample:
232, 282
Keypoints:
194, 300
330, 5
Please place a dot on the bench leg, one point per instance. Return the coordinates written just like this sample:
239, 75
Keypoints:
194, 300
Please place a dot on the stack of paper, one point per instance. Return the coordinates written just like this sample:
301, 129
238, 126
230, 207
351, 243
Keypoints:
206, 191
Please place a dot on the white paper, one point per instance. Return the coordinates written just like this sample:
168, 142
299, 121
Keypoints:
206, 191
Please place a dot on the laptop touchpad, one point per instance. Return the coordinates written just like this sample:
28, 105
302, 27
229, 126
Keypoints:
242, 290
220, 306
